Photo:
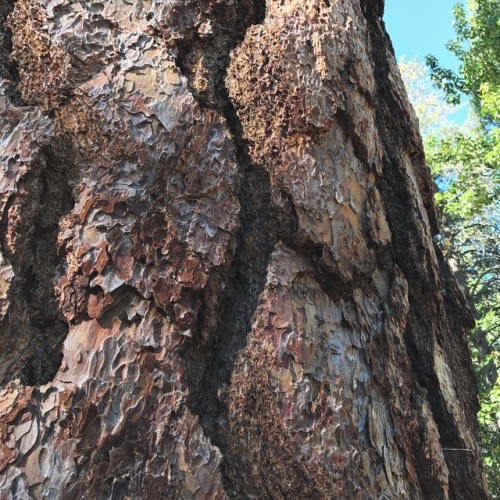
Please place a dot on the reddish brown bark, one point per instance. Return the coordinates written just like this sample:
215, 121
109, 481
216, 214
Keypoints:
218, 271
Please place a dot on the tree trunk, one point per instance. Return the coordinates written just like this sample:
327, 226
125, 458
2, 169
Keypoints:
218, 274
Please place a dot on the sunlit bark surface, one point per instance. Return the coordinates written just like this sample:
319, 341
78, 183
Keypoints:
218, 273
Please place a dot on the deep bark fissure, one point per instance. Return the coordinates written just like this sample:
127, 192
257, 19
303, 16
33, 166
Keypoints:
328, 277
359, 148
43, 197
210, 361
8, 69
28, 238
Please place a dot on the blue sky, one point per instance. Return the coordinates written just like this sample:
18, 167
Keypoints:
421, 27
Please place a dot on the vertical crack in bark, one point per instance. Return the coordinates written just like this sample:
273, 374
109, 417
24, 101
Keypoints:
29, 230
6, 8
8, 70
33, 329
210, 362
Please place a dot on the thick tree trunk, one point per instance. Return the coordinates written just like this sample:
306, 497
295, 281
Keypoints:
218, 271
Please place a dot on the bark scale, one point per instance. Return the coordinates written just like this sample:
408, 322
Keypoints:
218, 269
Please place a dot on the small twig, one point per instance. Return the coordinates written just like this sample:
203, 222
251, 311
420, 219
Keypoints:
458, 449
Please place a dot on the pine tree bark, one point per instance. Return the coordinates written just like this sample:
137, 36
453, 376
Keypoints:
219, 275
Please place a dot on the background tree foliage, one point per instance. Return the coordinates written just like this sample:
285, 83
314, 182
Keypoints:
465, 163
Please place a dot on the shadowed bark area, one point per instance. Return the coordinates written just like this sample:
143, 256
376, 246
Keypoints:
218, 274
223, 329
426, 299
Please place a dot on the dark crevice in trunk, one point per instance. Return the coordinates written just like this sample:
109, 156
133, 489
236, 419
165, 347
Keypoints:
29, 231
8, 70
430, 321
325, 271
33, 326
373, 8
346, 123
211, 358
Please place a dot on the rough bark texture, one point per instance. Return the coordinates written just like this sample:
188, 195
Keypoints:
218, 269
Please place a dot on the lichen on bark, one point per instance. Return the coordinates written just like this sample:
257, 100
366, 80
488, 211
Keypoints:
222, 211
